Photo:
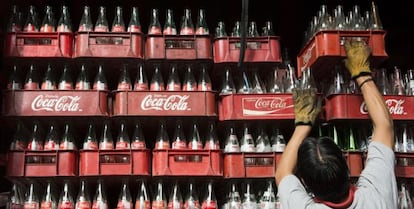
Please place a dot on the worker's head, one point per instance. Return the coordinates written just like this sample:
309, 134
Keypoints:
323, 169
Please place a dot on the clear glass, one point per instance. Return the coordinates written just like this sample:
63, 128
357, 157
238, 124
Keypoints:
90, 141
101, 24
157, 82
169, 26
67, 141
176, 200
245, 87
14, 23
118, 24
201, 26
187, 27
141, 82
64, 23
154, 27
134, 23
66, 81
82, 81
32, 21
221, 29
49, 22
231, 142
31, 199
138, 139
100, 82
228, 83
125, 198
162, 140
52, 139
66, 199
86, 24
122, 140
32, 79
14, 81
83, 199
106, 141
124, 83
189, 83
173, 83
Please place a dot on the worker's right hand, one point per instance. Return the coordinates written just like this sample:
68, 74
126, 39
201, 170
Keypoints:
357, 62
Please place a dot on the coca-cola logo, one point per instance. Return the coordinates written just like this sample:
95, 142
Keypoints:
263, 103
395, 107
308, 54
165, 102
56, 103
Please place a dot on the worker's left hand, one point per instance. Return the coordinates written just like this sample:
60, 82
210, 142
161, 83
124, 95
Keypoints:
307, 106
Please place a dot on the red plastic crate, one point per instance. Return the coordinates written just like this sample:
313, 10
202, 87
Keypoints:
326, 49
250, 165
169, 162
55, 103
355, 161
256, 106
42, 163
114, 162
165, 103
109, 45
182, 47
39, 44
404, 165
351, 106
258, 49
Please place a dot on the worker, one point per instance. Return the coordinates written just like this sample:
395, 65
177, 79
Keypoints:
312, 172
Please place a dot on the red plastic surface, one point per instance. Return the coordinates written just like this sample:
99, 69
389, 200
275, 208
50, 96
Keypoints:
250, 165
36, 44
258, 49
109, 45
181, 47
55, 103
351, 106
171, 162
165, 103
256, 106
404, 165
114, 162
64, 163
326, 49
355, 161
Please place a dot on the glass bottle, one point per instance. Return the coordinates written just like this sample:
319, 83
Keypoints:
162, 139
221, 30
268, 28
192, 201
234, 197
278, 141
65, 81
290, 80
410, 82
100, 82
64, 23
66, 200
15, 199
52, 139
337, 86
49, 22
257, 84
31, 24
236, 29
268, 200
169, 26
118, 24
189, 83
134, 23
82, 81
249, 199
204, 81
99, 200
14, 24
35, 142
67, 142
90, 142
85, 24
339, 17
179, 140
138, 139
48, 201
49, 82
356, 22
125, 198
154, 26
324, 23
106, 142
32, 79
31, 200
210, 200
173, 83
263, 145
404, 198
201, 26
212, 142
143, 200
14, 82
18, 139
253, 32
157, 82
275, 85
245, 87
232, 142
124, 83
195, 143
101, 24
141, 82
159, 201
228, 83
247, 141
83, 200
176, 200
122, 140
187, 27
381, 80
376, 20
398, 85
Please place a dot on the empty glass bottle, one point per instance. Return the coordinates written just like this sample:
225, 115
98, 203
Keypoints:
86, 24
212, 141
90, 142
236, 29
201, 26
189, 82
159, 201
173, 83
169, 26
31, 24
14, 82
376, 20
278, 141
65, 81
404, 197
124, 83
49, 82
66, 200
258, 86
100, 200
52, 139
253, 31
162, 139
154, 27
221, 30
31, 199
398, 85
49, 22
157, 82
18, 139
249, 198
82, 81
245, 87
141, 82
67, 142
228, 83
32, 79
16, 198
138, 139
106, 141
64, 23
175, 200
210, 200
204, 81
100, 82
232, 142
122, 140
192, 201
187, 27
247, 142
125, 199
118, 24
101, 24
275, 84
14, 24
134, 23
83, 200
142, 200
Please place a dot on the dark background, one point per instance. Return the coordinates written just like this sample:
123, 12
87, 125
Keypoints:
290, 18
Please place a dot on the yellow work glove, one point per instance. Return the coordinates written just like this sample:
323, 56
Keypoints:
357, 62
306, 105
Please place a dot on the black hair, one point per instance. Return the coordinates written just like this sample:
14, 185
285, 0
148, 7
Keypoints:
323, 169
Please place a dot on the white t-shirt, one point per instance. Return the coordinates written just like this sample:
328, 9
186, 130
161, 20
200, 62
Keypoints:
376, 187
